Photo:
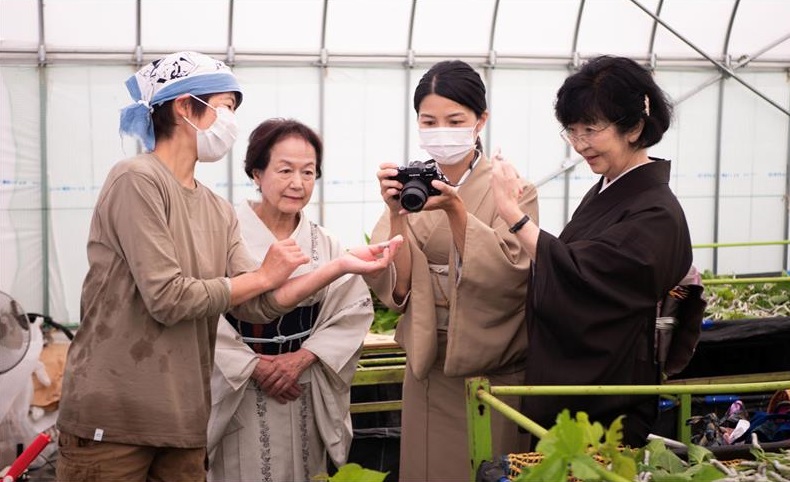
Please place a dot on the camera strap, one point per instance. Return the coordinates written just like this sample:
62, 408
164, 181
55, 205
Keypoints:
468, 171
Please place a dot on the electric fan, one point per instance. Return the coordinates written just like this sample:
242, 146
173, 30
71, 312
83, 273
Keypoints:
15, 338
14, 333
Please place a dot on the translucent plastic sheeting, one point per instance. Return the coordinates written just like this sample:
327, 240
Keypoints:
59, 107
531, 29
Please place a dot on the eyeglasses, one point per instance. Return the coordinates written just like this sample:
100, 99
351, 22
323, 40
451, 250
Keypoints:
588, 133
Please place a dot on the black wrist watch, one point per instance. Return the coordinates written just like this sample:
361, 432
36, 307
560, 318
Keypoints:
519, 224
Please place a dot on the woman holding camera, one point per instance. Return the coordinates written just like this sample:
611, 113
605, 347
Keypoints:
460, 279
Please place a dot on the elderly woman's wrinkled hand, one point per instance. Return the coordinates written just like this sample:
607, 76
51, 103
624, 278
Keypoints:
506, 186
269, 378
282, 259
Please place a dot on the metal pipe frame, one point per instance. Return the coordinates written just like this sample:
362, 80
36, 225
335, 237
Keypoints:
46, 209
481, 397
410, 60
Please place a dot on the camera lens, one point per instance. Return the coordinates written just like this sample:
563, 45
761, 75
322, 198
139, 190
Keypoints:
413, 196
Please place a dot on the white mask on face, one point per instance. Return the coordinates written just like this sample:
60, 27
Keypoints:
213, 143
448, 145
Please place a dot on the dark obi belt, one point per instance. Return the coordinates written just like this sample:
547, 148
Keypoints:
283, 335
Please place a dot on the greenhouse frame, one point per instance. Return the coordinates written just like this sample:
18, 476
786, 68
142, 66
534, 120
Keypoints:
348, 68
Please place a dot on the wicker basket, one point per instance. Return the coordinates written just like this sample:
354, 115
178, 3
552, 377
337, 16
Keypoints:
517, 462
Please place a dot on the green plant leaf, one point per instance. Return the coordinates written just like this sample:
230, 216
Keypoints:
704, 473
624, 465
614, 435
585, 468
698, 454
553, 469
573, 448
563, 439
356, 473
384, 321
663, 476
738, 301
591, 432
668, 461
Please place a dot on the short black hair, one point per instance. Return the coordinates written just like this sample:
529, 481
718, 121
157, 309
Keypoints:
271, 131
164, 118
614, 89
455, 80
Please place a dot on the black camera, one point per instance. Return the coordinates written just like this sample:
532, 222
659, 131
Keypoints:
416, 179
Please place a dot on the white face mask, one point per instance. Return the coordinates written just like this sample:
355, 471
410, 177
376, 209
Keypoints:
448, 145
213, 143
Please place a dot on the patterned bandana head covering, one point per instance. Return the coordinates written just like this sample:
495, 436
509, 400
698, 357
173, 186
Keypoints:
167, 78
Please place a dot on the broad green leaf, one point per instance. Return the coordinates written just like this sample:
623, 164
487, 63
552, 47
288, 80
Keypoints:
549, 470
615, 433
549, 444
704, 473
570, 435
668, 461
663, 476
384, 321
356, 473
698, 454
624, 465
584, 467
591, 433
655, 446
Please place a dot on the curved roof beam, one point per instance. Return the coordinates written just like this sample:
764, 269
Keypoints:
42, 46
138, 29
410, 38
651, 46
324, 56
726, 48
723, 68
491, 51
575, 44
230, 56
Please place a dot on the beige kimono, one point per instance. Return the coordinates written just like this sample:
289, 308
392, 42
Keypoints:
464, 316
253, 437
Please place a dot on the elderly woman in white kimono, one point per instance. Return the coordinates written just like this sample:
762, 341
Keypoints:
281, 391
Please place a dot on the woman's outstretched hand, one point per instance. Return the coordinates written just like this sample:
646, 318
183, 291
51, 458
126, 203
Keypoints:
371, 258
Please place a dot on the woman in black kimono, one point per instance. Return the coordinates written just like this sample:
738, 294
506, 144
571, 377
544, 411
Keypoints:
596, 286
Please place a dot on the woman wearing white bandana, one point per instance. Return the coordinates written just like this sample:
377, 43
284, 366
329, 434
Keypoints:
460, 280
166, 259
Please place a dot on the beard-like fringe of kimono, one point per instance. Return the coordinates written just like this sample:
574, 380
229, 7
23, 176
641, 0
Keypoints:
252, 436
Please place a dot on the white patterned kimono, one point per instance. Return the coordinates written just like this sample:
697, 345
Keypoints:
254, 437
